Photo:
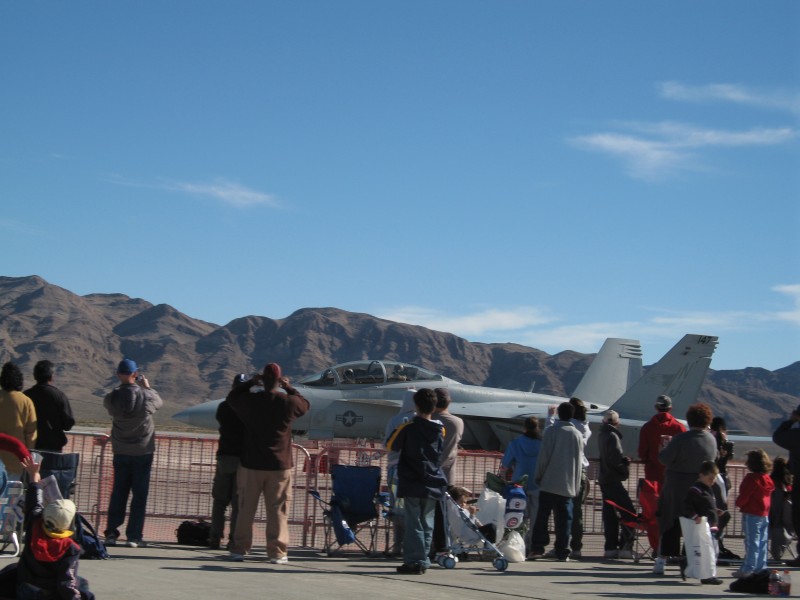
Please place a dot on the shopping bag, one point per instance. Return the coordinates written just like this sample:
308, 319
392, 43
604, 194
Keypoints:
513, 547
492, 507
701, 556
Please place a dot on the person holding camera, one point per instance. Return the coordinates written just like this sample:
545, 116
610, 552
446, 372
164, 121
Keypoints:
266, 459
131, 406
787, 436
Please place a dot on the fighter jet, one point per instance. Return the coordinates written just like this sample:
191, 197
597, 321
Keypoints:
357, 399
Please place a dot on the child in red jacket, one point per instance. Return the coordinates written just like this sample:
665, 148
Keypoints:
754, 502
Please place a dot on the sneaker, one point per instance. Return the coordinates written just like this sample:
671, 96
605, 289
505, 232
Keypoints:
610, 554
795, 562
563, 559
111, 540
281, 560
625, 553
136, 544
234, 557
739, 574
535, 555
416, 569
659, 565
711, 581
550, 553
576, 554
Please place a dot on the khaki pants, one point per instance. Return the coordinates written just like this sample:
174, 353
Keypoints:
276, 486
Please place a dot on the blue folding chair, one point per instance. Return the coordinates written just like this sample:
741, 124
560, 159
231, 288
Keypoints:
354, 508
11, 516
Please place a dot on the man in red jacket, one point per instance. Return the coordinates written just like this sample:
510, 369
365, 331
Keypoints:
652, 440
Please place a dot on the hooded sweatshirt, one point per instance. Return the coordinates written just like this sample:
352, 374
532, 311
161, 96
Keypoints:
523, 454
661, 423
754, 494
419, 471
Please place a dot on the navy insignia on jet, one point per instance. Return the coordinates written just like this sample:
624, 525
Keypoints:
349, 418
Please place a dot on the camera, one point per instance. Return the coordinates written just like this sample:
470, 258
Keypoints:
139, 378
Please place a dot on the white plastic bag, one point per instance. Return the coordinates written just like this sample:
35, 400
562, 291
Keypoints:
492, 509
701, 556
513, 547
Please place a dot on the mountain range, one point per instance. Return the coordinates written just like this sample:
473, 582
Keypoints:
188, 360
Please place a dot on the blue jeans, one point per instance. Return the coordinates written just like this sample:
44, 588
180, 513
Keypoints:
756, 531
561, 507
418, 533
131, 477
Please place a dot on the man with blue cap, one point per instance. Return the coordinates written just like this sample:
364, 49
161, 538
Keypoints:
131, 406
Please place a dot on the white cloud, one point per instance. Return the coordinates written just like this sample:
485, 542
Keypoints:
793, 316
726, 92
229, 192
539, 327
226, 191
476, 324
651, 151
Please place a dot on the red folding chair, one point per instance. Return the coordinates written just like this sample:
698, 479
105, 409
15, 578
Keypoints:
637, 526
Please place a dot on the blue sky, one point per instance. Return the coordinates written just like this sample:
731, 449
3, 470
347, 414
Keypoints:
544, 173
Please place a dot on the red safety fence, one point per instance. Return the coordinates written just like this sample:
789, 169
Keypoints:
183, 471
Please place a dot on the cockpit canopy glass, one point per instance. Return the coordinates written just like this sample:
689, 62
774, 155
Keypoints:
368, 372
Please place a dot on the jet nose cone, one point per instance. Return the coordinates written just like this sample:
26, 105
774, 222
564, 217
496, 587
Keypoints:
201, 415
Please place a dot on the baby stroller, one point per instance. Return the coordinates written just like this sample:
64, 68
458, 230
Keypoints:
466, 537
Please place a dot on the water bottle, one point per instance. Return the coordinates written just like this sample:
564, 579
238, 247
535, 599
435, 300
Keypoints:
774, 588
786, 584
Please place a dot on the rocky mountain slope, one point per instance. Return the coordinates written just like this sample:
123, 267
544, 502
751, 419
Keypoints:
190, 361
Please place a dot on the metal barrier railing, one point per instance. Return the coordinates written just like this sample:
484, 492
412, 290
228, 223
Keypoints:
183, 471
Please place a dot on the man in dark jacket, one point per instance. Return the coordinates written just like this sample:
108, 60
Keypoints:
787, 436
267, 462
613, 471
53, 412
223, 489
421, 482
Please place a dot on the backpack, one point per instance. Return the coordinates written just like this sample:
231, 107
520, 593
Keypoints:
757, 583
92, 547
193, 533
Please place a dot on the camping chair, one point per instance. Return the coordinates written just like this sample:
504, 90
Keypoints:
11, 516
637, 526
64, 467
353, 508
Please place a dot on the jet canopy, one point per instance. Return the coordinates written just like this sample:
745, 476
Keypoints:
369, 372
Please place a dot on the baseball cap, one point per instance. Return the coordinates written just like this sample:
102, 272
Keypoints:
663, 403
272, 370
57, 518
127, 366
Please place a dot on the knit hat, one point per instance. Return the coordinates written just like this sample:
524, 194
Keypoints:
663, 403
611, 416
57, 518
272, 370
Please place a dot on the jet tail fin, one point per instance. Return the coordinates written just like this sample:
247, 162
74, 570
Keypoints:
617, 365
679, 374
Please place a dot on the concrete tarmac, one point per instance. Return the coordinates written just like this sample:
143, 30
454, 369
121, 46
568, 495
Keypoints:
167, 571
